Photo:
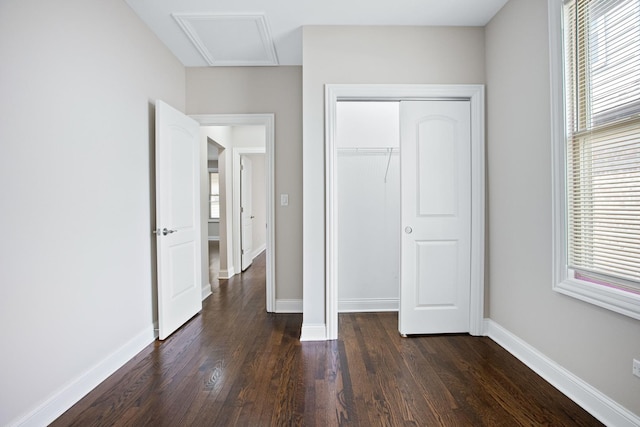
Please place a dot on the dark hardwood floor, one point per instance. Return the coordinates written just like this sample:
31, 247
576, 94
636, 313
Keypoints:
235, 364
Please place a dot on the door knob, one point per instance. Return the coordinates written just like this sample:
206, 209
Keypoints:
165, 231
408, 230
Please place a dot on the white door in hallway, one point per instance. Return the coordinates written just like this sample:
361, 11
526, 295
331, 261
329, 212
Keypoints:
436, 217
246, 212
177, 218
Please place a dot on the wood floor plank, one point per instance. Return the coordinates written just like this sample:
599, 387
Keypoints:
236, 365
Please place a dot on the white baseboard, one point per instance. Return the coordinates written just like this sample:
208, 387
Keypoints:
288, 306
213, 238
206, 291
258, 251
76, 389
368, 305
226, 274
589, 398
313, 332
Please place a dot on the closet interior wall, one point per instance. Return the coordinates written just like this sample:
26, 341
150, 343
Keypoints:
368, 183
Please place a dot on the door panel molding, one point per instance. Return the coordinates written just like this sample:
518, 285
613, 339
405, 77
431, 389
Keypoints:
380, 92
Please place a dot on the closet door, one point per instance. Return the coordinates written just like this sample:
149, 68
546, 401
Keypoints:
436, 216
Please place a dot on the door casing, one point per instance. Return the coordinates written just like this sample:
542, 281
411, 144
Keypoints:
392, 92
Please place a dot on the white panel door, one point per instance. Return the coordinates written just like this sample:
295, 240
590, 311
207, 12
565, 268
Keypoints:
177, 218
246, 213
436, 217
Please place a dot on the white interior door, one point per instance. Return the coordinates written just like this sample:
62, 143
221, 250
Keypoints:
436, 217
246, 213
177, 218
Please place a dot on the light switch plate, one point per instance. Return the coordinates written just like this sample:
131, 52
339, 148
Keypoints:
284, 200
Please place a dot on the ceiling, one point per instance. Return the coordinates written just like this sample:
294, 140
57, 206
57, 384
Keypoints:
269, 32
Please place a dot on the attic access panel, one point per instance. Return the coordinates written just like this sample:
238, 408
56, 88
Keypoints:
230, 40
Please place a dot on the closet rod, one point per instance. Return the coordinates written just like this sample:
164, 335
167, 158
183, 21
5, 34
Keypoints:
368, 150
388, 150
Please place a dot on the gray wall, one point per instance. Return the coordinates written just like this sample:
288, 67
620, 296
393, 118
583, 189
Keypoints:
366, 55
213, 229
78, 81
595, 344
275, 90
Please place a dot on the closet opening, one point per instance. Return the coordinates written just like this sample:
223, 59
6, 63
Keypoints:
368, 205
441, 230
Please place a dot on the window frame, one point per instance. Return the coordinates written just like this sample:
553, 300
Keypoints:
614, 299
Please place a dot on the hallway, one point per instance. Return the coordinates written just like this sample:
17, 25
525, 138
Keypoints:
236, 365
214, 262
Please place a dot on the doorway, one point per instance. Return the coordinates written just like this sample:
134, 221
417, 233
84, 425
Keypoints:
251, 206
474, 95
216, 199
266, 122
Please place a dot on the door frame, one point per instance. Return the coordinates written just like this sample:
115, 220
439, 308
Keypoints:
399, 92
238, 152
268, 121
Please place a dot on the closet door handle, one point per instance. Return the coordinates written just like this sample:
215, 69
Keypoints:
408, 230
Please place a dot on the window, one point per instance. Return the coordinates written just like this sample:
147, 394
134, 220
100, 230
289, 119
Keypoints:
214, 195
597, 152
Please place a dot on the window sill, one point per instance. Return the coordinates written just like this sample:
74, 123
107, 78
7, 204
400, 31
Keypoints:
213, 220
616, 300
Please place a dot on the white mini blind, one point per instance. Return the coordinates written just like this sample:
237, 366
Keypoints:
214, 195
602, 80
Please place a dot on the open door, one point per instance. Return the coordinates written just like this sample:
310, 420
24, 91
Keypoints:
435, 158
246, 212
177, 218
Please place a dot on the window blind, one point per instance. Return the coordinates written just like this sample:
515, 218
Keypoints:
214, 195
602, 80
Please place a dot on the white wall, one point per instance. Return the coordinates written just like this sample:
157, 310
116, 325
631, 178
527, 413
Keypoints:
79, 80
367, 124
275, 90
361, 54
248, 136
368, 231
595, 344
